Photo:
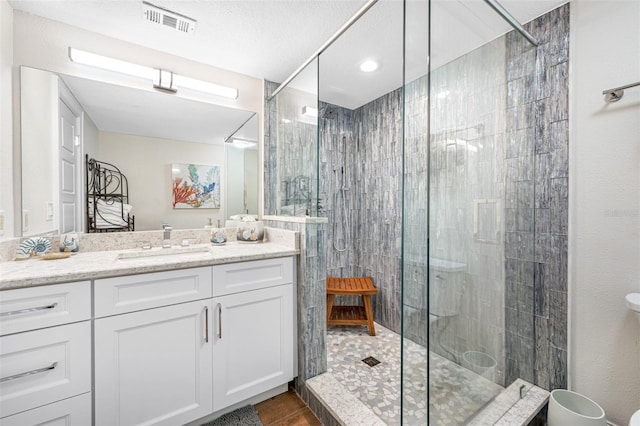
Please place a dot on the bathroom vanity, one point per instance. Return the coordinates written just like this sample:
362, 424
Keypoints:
156, 340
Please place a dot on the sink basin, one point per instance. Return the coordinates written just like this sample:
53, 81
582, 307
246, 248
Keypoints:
158, 251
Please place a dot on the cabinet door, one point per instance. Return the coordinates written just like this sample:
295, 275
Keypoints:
43, 366
253, 343
154, 367
74, 411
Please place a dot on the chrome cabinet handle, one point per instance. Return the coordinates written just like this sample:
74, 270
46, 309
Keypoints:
206, 324
22, 311
219, 320
29, 373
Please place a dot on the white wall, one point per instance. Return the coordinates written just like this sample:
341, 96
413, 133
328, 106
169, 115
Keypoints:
604, 233
251, 162
6, 119
146, 162
39, 124
235, 181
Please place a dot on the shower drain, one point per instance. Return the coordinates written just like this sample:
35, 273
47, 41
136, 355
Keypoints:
371, 361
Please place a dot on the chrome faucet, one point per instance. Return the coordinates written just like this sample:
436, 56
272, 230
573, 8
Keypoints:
166, 243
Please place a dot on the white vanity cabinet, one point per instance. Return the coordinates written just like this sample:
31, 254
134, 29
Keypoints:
45, 355
153, 365
254, 329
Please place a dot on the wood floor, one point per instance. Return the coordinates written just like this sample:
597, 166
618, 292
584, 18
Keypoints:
286, 409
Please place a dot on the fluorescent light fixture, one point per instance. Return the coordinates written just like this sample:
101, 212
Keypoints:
241, 143
162, 79
110, 64
205, 86
368, 66
286, 121
443, 94
309, 111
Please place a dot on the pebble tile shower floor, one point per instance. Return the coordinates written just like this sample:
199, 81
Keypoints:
456, 393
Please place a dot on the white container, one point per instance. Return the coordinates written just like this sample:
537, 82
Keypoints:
250, 232
567, 408
480, 363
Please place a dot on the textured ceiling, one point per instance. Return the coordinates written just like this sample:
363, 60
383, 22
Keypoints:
271, 38
261, 38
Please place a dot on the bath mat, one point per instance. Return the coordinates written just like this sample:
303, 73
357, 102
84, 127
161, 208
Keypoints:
242, 416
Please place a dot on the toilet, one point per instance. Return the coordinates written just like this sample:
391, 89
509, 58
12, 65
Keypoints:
633, 302
446, 278
446, 284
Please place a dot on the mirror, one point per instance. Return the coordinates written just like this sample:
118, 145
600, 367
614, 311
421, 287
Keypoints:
242, 169
144, 134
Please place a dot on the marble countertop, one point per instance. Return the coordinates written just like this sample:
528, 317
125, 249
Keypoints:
103, 264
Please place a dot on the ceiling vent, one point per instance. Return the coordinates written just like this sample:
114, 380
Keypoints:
165, 17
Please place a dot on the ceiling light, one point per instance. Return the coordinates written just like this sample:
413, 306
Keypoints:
368, 66
241, 143
205, 86
162, 79
110, 64
309, 111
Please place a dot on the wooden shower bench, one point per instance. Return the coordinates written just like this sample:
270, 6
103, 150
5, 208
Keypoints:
351, 315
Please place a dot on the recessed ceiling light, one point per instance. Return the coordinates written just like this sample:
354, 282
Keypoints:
368, 66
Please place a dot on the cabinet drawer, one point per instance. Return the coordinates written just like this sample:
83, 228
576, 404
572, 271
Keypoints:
74, 411
245, 276
30, 308
43, 366
137, 292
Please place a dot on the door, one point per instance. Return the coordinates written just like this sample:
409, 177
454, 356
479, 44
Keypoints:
70, 196
154, 367
253, 343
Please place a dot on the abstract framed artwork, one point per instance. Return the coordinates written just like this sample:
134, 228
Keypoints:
195, 186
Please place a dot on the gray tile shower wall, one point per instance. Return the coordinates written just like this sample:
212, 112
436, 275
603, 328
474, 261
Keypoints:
500, 133
550, 92
467, 172
311, 297
270, 150
311, 267
338, 174
361, 191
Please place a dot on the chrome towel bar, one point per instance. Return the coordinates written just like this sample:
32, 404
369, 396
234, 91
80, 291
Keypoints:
614, 95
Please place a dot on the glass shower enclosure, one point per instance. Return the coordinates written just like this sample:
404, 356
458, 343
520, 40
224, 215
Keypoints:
469, 223
429, 187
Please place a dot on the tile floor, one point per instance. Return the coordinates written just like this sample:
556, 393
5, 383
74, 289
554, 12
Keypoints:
456, 393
